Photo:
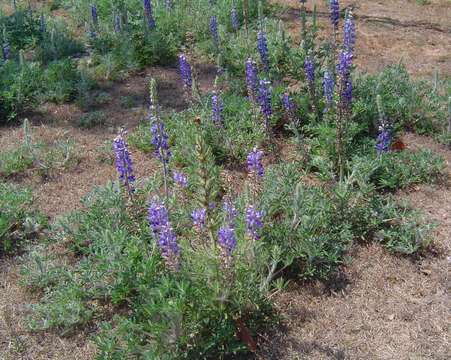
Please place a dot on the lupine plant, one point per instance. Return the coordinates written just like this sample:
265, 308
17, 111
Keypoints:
262, 45
251, 78
185, 71
264, 100
124, 165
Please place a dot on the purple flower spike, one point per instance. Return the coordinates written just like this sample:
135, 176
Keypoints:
234, 19
227, 240
262, 44
254, 222
349, 33
328, 88
383, 140
231, 212
254, 162
251, 77
124, 164
288, 104
160, 141
214, 29
198, 216
94, 16
180, 179
185, 71
264, 98
157, 216
170, 250
6, 50
161, 230
344, 63
334, 13
309, 69
148, 13
217, 107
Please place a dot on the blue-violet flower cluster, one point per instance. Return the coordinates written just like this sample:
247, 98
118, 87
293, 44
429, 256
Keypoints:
214, 29
234, 19
334, 13
251, 77
254, 222
254, 162
148, 12
124, 165
262, 44
162, 231
217, 107
264, 98
185, 71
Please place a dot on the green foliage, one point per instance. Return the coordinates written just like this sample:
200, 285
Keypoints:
20, 86
408, 104
61, 81
21, 29
121, 267
18, 223
91, 120
396, 170
44, 158
15, 161
57, 44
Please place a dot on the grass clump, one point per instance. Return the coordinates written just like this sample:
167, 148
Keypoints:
18, 222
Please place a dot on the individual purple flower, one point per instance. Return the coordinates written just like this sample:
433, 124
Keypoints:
158, 216
94, 16
124, 164
383, 140
169, 248
234, 19
185, 71
349, 35
328, 88
214, 29
227, 240
180, 179
309, 70
198, 216
217, 107
148, 13
230, 212
262, 44
251, 77
254, 222
334, 13
254, 162
264, 98
160, 141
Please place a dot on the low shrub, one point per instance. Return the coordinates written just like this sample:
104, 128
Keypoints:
18, 222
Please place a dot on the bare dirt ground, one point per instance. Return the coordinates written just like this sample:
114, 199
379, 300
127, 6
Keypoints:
391, 308
389, 32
